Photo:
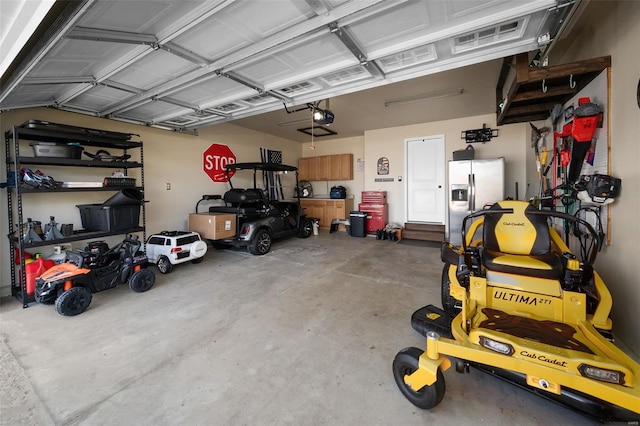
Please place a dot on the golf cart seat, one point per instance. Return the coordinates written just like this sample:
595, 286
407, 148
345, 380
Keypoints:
519, 243
245, 202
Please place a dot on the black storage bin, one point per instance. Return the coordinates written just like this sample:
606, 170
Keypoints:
358, 224
98, 217
125, 196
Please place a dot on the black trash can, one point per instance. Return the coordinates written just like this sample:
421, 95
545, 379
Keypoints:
358, 224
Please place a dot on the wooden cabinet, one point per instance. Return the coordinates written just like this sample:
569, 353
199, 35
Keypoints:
314, 208
326, 167
308, 168
322, 171
326, 210
341, 167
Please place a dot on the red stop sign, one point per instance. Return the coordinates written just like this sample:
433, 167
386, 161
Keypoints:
214, 159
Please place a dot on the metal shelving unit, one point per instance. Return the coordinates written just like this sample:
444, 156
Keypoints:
51, 132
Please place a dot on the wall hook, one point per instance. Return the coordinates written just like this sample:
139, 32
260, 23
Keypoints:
544, 86
572, 83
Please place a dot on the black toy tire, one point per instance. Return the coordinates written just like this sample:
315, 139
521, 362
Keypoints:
448, 301
261, 243
142, 280
306, 229
197, 260
164, 265
73, 301
406, 362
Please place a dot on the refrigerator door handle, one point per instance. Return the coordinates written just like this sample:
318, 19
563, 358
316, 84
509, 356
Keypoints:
470, 191
473, 192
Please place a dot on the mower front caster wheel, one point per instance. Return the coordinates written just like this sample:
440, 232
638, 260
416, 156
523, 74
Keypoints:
405, 363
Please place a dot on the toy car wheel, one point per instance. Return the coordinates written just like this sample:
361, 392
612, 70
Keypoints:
405, 363
142, 280
73, 301
198, 260
448, 301
164, 265
261, 243
306, 229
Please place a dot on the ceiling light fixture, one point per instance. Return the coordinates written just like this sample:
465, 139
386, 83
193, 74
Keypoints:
426, 97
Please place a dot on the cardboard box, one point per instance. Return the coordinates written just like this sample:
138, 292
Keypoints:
213, 226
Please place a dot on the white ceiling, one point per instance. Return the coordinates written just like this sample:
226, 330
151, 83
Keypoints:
182, 65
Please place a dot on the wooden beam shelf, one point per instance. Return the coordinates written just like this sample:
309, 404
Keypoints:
534, 91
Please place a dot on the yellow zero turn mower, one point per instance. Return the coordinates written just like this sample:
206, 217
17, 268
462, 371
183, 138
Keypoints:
519, 305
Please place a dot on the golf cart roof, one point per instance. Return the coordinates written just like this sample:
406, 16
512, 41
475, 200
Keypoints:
267, 167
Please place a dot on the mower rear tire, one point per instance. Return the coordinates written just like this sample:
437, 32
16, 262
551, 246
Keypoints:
164, 265
448, 301
142, 280
73, 301
405, 363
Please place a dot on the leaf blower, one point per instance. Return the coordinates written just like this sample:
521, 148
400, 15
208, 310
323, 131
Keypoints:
585, 122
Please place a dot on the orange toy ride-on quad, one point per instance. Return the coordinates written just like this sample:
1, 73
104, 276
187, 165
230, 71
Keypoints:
519, 305
70, 285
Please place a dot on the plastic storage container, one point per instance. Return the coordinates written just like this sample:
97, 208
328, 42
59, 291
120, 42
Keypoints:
56, 150
98, 217
358, 223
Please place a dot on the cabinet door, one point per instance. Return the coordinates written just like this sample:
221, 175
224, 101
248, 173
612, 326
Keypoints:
323, 167
303, 169
335, 167
314, 209
346, 167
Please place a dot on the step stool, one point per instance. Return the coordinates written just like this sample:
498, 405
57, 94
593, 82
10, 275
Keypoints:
337, 222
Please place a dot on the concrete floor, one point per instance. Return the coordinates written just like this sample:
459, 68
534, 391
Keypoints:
302, 336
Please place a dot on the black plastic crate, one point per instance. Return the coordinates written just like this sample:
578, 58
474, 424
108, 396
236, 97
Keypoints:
98, 217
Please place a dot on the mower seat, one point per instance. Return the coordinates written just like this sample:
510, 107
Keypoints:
519, 243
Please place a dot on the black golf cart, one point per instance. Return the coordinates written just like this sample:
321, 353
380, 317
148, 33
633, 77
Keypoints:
260, 216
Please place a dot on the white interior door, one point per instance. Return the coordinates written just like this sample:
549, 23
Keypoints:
425, 182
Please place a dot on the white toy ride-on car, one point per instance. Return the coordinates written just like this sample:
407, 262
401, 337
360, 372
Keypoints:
169, 248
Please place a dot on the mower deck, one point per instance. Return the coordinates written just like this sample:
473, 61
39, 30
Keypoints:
544, 356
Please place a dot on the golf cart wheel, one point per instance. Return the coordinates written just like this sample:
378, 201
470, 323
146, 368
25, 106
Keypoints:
73, 301
405, 363
164, 265
142, 280
448, 301
261, 243
306, 229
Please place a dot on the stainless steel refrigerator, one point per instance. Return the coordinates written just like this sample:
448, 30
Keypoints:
472, 185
